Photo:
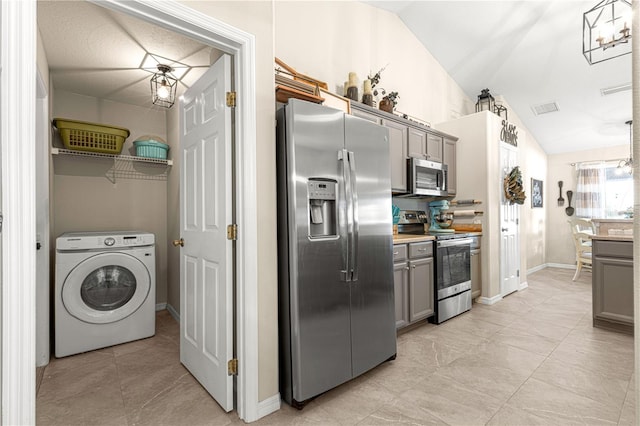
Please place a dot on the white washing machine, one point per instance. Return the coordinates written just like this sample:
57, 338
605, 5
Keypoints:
105, 290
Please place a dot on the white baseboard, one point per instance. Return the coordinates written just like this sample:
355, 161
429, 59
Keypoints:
550, 265
173, 312
489, 300
561, 265
161, 306
536, 268
268, 406
523, 285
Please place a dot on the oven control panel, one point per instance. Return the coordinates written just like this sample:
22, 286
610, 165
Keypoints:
412, 216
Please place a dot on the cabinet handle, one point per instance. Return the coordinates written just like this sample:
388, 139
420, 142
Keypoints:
396, 253
422, 249
413, 266
407, 268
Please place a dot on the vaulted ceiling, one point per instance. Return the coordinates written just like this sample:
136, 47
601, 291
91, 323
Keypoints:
530, 53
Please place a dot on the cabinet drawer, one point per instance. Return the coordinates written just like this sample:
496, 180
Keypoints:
613, 248
399, 252
424, 249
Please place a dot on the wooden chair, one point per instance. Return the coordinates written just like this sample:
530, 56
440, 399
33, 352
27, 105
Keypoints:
582, 231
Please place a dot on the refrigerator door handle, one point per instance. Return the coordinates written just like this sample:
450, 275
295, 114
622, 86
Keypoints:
354, 218
345, 274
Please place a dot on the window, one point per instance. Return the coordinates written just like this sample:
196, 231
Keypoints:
604, 191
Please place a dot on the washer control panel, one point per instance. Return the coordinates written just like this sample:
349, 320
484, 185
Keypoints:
103, 240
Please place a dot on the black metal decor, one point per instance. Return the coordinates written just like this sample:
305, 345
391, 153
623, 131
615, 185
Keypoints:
486, 101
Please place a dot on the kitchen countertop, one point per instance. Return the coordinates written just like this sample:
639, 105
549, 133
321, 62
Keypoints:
618, 237
415, 238
411, 238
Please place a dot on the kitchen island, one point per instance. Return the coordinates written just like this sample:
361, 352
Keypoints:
612, 282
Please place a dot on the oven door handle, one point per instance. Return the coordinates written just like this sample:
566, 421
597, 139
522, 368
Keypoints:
455, 242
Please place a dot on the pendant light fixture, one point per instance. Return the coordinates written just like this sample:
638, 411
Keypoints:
626, 166
163, 86
606, 31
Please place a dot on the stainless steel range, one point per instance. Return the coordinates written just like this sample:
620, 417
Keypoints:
453, 266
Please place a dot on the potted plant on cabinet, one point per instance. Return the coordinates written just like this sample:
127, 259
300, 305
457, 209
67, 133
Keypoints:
389, 101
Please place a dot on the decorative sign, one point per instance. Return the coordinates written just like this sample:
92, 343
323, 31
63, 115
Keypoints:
509, 133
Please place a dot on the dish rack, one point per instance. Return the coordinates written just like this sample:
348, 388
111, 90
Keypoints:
92, 137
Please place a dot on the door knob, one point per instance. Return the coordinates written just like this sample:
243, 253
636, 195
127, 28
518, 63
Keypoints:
179, 242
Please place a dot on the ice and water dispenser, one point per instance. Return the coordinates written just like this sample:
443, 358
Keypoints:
322, 207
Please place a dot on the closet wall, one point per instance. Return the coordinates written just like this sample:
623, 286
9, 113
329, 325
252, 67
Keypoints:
84, 199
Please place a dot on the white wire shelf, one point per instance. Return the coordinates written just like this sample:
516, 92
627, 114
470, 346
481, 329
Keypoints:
124, 166
62, 151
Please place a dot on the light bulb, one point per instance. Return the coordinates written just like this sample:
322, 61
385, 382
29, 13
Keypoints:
163, 91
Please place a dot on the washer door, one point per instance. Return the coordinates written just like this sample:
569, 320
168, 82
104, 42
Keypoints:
106, 288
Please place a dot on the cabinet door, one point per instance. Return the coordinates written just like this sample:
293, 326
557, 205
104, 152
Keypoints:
417, 144
476, 274
613, 290
366, 115
397, 154
401, 286
434, 147
449, 158
420, 289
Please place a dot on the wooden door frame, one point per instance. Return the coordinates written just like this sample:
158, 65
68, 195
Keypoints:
17, 127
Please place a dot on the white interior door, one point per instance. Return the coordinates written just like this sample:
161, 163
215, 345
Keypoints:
206, 272
42, 224
509, 228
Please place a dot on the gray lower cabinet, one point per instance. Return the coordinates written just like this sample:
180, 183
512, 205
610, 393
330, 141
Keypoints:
401, 285
420, 289
413, 276
612, 281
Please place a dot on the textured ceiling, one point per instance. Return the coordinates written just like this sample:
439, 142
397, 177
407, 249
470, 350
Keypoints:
97, 52
530, 53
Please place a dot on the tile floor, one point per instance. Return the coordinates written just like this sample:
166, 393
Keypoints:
531, 359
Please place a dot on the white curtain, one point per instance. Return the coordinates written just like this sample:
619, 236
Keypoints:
590, 194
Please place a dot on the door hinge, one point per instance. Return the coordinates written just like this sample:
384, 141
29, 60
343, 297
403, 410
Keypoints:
232, 232
518, 273
231, 99
232, 367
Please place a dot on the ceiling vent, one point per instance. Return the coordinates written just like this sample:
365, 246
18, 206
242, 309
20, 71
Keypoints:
615, 89
545, 108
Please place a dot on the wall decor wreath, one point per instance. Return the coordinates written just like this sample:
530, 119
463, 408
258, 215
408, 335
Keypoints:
513, 189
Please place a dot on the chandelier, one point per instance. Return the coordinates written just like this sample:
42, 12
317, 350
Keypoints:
163, 86
627, 165
606, 31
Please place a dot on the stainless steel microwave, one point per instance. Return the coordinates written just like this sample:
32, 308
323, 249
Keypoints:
427, 177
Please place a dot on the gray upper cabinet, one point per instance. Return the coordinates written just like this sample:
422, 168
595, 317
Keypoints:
449, 158
397, 154
366, 115
417, 143
434, 147
423, 144
409, 139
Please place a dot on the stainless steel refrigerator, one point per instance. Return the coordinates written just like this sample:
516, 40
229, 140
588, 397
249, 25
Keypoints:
335, 261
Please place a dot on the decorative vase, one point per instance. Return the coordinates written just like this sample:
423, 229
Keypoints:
367, 93
352, 88
386, 105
